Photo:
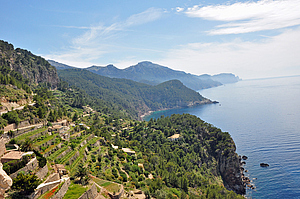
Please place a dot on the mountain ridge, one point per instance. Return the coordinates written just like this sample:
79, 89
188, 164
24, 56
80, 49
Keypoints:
153, 74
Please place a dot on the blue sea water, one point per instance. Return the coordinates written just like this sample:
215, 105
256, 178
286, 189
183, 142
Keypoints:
263, 118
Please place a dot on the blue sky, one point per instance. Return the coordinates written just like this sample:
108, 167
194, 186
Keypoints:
252, 39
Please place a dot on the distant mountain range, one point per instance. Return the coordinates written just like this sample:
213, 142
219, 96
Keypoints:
154, 74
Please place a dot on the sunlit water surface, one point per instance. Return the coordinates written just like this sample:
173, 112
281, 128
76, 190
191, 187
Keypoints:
263, 118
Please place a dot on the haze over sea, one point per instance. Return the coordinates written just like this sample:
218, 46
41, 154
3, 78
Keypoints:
263, 118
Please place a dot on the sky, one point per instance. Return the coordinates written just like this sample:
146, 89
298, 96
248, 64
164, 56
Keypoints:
252, 39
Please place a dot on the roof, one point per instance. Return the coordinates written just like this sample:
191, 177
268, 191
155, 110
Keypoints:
13, 155
175, 136
60, 166
127, 150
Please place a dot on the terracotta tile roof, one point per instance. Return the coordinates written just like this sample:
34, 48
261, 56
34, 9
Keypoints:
13, 155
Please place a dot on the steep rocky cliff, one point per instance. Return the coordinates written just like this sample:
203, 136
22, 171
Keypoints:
32, 67
230, 170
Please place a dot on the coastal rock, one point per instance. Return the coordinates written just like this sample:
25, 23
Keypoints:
231, 173
244, 157
264, 165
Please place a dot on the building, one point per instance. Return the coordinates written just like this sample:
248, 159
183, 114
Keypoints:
128, 151
60, 169
12, 155
174, 137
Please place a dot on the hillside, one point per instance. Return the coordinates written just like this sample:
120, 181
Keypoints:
79, 137
32, 67
150, 73
136, 98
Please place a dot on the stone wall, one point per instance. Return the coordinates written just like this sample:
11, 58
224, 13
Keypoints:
64, 153
91, 193
39, 134
117, 195
63, 190
73, 158
42, 172
53, 177
43, 190
30, 166
2, 147
48, 143
53, 150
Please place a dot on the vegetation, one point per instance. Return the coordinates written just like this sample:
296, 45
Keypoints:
129, 96
26, 182
103, 113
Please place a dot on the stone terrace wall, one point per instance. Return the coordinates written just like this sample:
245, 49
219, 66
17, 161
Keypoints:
64, 153
63, 190
42, 172
38, 134
117, 195
91, 193
72, 159
2, 147
30, 166
52, 151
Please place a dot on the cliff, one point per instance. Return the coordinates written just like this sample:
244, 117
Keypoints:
32, 67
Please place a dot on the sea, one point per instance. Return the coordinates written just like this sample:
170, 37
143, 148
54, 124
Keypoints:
263, 118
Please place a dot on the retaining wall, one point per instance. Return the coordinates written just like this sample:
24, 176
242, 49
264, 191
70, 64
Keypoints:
63, 190
30, 166
91, 193
42, 172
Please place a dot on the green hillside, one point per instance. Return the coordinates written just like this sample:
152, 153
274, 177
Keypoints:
136, 98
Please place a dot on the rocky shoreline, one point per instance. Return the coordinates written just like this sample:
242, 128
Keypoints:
245, 179
191, 104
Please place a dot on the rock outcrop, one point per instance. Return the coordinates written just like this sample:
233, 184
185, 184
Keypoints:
231, 173
5, 182
36, 69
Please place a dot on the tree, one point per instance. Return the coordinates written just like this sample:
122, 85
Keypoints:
81, 173
75, 117
27, 145
26, 182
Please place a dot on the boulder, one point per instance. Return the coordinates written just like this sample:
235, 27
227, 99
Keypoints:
264, 164
244, 157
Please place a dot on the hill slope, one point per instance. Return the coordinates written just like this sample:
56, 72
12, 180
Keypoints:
150, 73
32, 67
137, 98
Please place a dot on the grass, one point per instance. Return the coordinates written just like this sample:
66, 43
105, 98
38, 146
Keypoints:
75, 191
45, 140
57, 153
50, 148
109, 186
31, 133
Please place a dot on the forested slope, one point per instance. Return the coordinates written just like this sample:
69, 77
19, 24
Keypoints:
137, 98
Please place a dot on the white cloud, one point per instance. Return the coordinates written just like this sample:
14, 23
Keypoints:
274, 56
92, 44
250, 16
179, 9
147, 16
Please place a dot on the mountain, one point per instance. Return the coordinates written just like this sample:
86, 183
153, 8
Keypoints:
137, 98
31, 67
225, 78
59, 66
150, 73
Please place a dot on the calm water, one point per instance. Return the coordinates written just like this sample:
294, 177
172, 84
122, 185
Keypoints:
263, 117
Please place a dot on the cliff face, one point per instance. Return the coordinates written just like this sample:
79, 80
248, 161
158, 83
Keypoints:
230, 170
32, 67
223, 149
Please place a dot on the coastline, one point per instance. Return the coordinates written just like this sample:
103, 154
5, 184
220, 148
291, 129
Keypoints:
191, 104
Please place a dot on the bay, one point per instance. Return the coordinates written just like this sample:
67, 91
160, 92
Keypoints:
263, 118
